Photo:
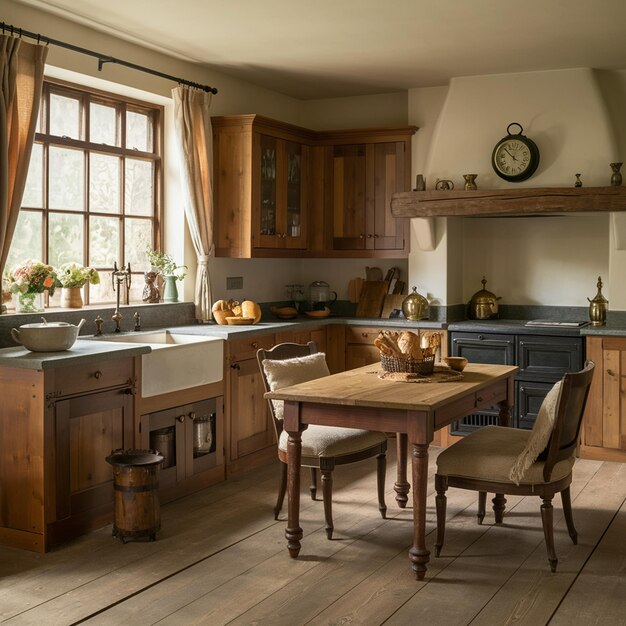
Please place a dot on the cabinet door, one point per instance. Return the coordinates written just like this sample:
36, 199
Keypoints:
349, 205
251, 428
614, 405
484, 347
386, 175
548, 358
87, 429
280, 204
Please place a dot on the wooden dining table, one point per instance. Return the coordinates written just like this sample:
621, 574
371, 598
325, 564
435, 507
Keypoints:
359, 398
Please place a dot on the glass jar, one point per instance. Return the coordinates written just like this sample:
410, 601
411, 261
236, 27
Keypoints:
28, 302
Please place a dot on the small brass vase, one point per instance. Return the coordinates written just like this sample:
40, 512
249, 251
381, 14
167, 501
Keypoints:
616, 176
598, 307
470, 182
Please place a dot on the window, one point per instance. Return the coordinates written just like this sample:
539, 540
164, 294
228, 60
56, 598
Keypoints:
93, 193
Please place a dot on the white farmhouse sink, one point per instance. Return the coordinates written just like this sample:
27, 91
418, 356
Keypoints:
176, 362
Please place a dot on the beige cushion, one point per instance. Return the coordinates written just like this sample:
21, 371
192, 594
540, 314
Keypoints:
333, 440
287, 372
489, 453
539, 435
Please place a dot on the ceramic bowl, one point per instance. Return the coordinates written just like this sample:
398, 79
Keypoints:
47, 337
325, 312
239, 321
457, 363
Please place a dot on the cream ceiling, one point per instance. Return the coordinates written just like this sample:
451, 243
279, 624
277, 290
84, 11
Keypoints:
325, 48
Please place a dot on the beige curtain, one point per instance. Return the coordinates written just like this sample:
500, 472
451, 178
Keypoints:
21, 78
194, 138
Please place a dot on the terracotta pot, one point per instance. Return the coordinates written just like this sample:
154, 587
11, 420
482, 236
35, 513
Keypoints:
72, 297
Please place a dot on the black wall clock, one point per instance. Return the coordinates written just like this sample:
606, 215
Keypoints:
515, 157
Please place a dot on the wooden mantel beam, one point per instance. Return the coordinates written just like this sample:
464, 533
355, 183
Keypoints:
511, 202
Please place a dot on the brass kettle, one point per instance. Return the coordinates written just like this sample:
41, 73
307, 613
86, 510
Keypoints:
598, 306
484, 304
415, 306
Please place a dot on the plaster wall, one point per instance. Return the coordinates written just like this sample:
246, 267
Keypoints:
571, 115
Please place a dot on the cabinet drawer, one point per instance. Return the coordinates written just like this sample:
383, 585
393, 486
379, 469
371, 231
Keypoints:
361, 335
484, 347
242, 349
548, 358
93, 377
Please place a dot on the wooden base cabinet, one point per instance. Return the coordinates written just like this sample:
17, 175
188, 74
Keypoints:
603, 434
191, 439
54, 435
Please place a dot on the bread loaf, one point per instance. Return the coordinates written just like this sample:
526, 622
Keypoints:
409, 344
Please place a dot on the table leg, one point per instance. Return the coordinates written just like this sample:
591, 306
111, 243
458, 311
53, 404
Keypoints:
418, 554
293, 533
401, 486
504, 418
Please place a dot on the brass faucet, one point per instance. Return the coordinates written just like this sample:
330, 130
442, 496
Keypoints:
119, 278
137, 317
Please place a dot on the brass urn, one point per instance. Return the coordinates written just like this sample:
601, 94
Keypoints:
415, 306
598, 306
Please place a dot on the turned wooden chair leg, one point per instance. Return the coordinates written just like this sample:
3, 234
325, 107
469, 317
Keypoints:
381, 468
499, 503
282, 488
313, 487
567, 512
327, 494
482, 506
547, 517
440, 503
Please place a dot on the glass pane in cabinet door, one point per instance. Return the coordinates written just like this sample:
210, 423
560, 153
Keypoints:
294, 190
268, 186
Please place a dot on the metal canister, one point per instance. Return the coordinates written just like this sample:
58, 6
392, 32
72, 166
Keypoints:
415, 306
163, 440
203, 433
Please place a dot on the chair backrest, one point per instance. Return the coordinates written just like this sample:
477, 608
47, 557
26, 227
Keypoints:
569, 415
281, 352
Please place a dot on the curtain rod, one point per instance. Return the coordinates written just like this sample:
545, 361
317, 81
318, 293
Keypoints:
102, 58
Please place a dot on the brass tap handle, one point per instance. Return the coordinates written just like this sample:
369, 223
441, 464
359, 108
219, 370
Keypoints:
117, 318
137, 317
98, 322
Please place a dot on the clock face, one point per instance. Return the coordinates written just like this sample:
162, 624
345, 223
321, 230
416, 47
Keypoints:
512, 157
515, 158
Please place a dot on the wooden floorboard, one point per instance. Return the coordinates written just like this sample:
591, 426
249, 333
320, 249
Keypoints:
221, 559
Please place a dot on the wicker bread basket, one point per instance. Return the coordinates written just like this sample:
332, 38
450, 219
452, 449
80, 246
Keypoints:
425, 367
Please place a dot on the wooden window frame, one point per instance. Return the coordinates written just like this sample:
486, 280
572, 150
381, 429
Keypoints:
122, 104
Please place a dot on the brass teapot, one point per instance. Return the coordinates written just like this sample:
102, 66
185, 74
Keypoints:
598, 306
484, 304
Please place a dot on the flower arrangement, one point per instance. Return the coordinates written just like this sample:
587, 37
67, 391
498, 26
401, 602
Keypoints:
27, 280
76, 275
163, 264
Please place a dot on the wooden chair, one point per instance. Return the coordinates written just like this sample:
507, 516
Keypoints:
347, 445
482, 460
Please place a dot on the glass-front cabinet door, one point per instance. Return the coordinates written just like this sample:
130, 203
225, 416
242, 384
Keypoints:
281, 198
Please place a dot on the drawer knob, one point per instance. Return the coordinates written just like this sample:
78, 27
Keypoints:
97, 375
479, 399
480, 337
364, 335
255, 344
235, 366
181, 418
610, 372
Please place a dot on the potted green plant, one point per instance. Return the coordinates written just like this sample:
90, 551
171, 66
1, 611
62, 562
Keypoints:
164, 265
72, 277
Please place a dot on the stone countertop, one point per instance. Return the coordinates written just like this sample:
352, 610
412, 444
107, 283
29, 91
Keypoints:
610, 329
82, 352
517, 327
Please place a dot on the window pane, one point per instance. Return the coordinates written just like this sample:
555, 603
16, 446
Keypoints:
138, 131
65, 238
138, 237
66, 179
103, 293
136, 287
139, 187
104, 241
64, 116
27, 240
104, 183
103, 124
33, 192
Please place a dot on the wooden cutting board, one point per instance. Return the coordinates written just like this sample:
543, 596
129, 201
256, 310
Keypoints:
390, 303
372, 298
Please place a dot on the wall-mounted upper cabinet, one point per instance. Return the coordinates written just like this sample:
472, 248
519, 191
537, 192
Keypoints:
281, 190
